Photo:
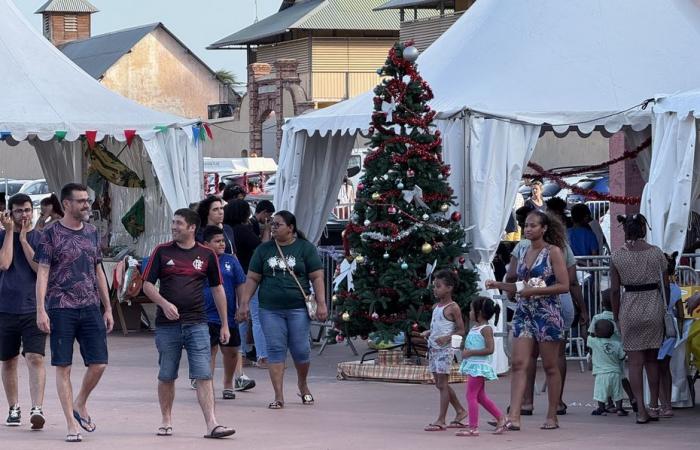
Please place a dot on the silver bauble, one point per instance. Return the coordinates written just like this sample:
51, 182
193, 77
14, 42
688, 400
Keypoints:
410, 54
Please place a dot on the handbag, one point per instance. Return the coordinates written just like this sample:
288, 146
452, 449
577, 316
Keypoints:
310, 299
670, 324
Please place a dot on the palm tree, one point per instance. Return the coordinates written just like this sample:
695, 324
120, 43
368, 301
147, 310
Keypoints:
227, 77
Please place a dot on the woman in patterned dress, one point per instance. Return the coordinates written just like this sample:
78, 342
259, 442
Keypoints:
542, 276
638, 266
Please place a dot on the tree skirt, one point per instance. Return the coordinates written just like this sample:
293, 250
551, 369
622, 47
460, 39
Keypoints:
402, 373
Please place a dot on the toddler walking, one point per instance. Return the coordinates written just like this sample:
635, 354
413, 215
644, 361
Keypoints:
446, 321
477, 365
607, 356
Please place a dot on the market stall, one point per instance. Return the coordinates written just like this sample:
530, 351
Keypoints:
141, 164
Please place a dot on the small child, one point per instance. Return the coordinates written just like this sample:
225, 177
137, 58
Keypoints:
446, 321
477, 365
607, 355
233, 278
607, 314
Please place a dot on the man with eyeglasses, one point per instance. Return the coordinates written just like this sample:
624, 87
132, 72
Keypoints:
70, 285
18, 328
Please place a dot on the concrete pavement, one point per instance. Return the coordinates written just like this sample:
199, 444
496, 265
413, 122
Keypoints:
347, 414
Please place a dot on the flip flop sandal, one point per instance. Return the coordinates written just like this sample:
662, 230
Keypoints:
549, 426
165, 431
500, 430
622, 413
228, 394
306, 399
467, 433
85, 424
219, 432
599, 412
456, 424
74, 438
523, 412
435, 427
276, 405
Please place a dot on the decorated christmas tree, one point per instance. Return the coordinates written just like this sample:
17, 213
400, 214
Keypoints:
404, 225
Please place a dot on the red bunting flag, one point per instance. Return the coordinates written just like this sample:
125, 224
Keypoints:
129, 134
206, 127
91, 136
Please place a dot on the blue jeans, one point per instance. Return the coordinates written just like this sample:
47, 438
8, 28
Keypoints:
258, 335
286, 329
171, 338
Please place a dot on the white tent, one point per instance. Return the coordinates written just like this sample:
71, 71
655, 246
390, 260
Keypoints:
502, 74
674, 156
44, 92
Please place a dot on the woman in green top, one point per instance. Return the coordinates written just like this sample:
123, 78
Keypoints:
283, 316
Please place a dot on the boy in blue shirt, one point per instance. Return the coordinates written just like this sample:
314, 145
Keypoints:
233, 278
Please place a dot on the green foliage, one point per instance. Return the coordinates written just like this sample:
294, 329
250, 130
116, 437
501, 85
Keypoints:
389, 230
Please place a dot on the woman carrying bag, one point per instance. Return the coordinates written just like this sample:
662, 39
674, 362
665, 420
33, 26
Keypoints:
284, 268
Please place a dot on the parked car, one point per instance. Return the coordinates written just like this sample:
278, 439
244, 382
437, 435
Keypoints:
598, 183
10, 187
37, 190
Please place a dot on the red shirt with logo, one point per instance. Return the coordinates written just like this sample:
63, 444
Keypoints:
182, 274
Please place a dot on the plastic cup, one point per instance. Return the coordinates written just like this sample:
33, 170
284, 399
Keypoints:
456, 341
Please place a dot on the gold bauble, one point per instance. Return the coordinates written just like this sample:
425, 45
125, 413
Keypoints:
346, 316
334, 298
376, 196
426, 248
359, 259
444, 207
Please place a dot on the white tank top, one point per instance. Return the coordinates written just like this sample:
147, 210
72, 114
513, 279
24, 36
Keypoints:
440, 326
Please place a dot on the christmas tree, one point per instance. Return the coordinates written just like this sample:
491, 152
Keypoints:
403, 227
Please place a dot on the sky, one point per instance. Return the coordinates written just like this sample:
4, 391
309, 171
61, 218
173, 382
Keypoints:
196, 23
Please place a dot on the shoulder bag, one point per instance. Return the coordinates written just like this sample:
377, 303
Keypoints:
310, 299
670, 324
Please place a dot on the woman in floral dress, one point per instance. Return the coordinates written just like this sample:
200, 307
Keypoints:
542, 276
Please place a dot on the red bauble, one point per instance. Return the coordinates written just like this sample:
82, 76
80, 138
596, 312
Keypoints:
391, 210
462, 260
456, 216
360, 186
414, 326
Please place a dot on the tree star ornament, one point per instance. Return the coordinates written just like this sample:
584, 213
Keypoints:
410, 54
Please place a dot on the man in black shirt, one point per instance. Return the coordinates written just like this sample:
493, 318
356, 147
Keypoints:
261, 219
183, 266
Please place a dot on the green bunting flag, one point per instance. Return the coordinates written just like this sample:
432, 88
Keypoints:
60, 135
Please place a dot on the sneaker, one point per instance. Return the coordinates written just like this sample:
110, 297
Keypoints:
36, 417
243, 383
14, 418
193, 385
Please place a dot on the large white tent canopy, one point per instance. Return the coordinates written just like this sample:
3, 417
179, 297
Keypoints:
43, 92
674, 156
502, 74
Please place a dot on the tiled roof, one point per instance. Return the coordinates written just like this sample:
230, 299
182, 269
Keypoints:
67, 6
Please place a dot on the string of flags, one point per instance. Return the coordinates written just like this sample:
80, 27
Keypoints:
201, 132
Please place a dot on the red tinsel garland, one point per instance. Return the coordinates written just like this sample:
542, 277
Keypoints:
594, 194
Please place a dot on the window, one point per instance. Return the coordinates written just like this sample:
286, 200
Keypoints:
47, 25
70, 24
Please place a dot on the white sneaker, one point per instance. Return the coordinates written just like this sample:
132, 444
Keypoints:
243, 383
36, 418
193, 385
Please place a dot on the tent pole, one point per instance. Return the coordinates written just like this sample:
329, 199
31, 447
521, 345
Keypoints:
466, 185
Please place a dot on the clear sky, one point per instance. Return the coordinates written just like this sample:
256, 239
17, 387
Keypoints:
196, 23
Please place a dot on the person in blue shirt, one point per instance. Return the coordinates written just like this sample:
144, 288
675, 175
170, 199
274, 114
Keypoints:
233, 278
581, 238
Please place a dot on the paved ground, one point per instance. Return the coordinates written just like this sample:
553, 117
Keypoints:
347, 415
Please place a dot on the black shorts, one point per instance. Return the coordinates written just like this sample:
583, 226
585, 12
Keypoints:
215, 334
20, 330
84, 325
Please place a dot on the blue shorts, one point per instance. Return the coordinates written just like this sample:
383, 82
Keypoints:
85, 325
286, 329
171, 338
567, 310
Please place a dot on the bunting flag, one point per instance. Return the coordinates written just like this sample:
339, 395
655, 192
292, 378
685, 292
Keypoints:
60, 135
90, 136
202, 134
208, 129
161, 128
129, 134
4, 135
195, 134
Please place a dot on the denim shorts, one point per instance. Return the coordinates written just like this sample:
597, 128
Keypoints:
286, 329
567, 310
171, 338
85, 325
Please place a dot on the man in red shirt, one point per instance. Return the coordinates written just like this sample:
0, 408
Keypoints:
182, 266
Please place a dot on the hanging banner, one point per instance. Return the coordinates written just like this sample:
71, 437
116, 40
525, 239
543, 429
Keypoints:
129, 135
